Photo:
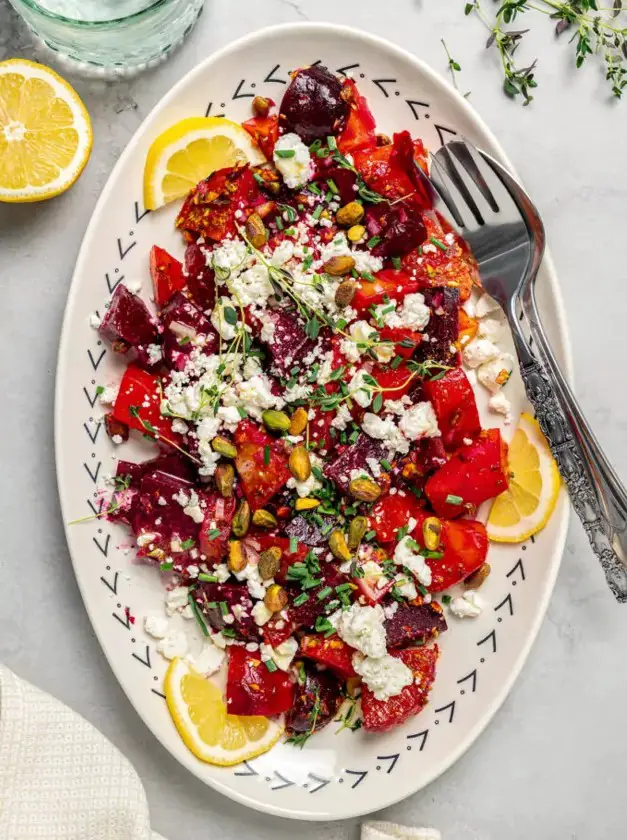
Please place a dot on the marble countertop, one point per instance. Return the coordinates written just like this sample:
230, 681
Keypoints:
552, 763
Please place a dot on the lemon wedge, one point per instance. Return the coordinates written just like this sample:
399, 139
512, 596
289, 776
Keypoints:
45, 132
199, 713
526, 506
191, 150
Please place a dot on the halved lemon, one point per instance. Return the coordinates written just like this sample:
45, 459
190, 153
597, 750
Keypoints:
526, 506
45, 132
199, 713
191, 150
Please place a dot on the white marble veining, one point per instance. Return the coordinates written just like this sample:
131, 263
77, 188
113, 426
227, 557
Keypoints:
552, 764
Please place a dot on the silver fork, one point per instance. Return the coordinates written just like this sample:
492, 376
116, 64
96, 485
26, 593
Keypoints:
476, 196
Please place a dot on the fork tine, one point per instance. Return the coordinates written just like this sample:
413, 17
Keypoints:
464, 183
493, 181
478, 170
446, 184
437, 187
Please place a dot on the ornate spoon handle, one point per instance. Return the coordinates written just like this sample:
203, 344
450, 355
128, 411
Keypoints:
597, 495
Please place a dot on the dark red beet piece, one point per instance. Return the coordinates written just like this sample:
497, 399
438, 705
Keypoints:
344, 179
116, 428
312, 106
290, 342
399, 230
129, 324
208, 596
158, 512
316, 702
414, 623
443, 326
307, 532
178, 318
200, 278
218, 517
430, 454
306, 614
354, 457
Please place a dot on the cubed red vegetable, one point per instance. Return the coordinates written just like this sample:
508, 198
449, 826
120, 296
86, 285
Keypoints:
477, 472
167, 274
128, 324
332, 652
138, 404
262, 466
360, 129
252, 689
455, 406
216, 527
381, 715
264, 131
387, 283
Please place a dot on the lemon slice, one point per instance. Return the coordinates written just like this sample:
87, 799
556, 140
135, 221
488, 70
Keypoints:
526, 506
199, 713
45, 132
191, 150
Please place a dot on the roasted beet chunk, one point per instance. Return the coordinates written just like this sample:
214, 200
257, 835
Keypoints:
307, 532
413, 624
200, 278
289, 340
128, 323
217, 602
354, 457
160, 513
316, 701
399, 231
183, 324
313, 106
443, 326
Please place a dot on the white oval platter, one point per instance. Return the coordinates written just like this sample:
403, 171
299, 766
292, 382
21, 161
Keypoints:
334, 776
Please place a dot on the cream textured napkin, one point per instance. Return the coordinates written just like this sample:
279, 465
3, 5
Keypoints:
391, 831
60, 779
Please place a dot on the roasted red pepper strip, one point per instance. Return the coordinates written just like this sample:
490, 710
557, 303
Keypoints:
265, 133
252, 689
454, 403
476, 473
360, 128
141, 390
393, 512
381, 715
388, 283
167, 275
405, 340
261, 463
396, 382
332, 652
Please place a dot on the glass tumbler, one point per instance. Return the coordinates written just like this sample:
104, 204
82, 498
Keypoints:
110, 38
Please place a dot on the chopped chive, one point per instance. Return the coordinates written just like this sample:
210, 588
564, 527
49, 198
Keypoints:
242, 412
396, 262
207, 578
185, 546
285, 153
259, 179
386, 465
329, 197
317, 212
311, 583
279, 222
301, 599
270, 665
323, 593
266, 454
224, 608
369, 535
402, 532
446, 599
212, 605
315, 189
371, 243
451, 499
291, 231
332, 186
165, 567
322, 153
366, 275
197, 615
396, 361
438, 243
228, 631
293, 545
343, 587
214, 533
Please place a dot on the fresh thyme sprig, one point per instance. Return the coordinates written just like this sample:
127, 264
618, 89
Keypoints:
454, 67
301, 738
596, 31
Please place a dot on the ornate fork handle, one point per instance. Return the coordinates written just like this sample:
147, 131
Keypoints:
595, 492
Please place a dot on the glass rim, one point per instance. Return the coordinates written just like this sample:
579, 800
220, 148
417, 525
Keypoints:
89, 24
